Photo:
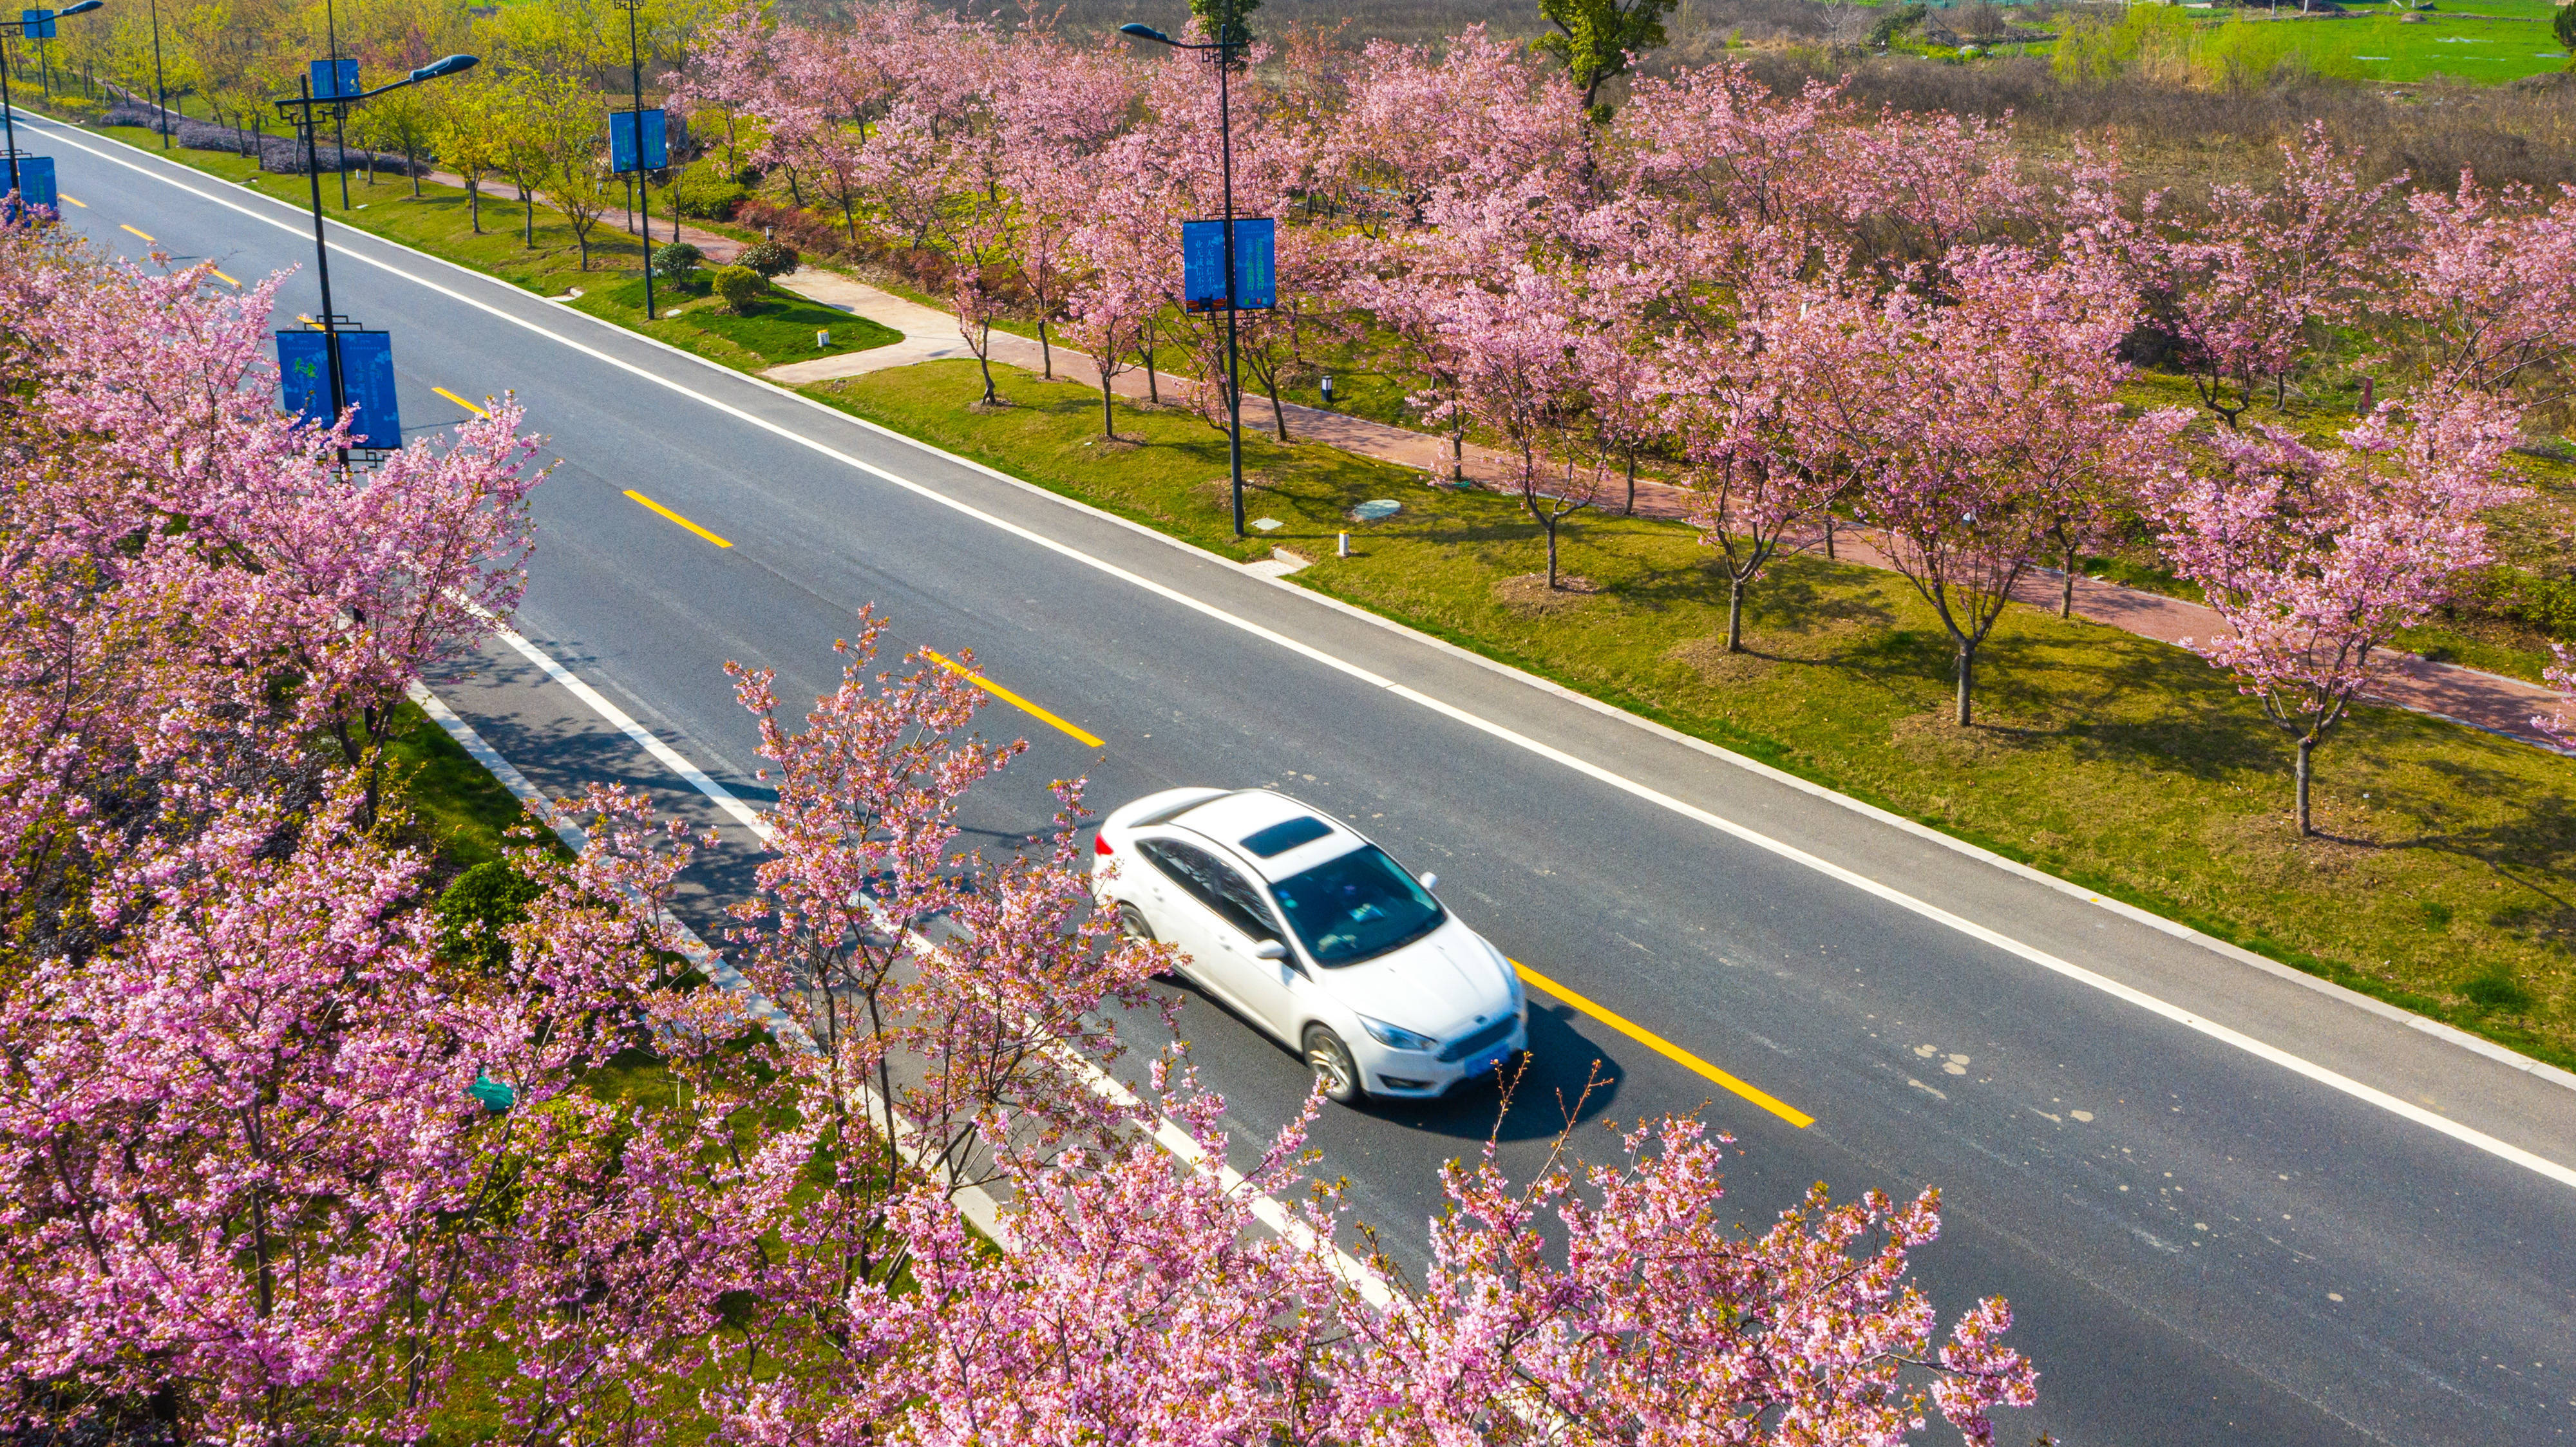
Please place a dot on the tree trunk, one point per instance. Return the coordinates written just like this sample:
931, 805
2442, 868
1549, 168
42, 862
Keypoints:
983, 359
1108, 413
2066, 598
1967, 675
1145, 350
2307, 746
1829, 537
1735, 615
474, 204
411, 168
1278, 414
1046, 354
1631, 509
1458, 457
1550, 520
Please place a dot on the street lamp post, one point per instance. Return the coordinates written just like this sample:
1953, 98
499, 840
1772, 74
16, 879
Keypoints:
299, 109
160, 84
643, 192
1225, 45
339, 113
8, 111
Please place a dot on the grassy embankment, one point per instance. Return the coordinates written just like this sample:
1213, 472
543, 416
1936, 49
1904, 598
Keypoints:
440, 222
2126, 765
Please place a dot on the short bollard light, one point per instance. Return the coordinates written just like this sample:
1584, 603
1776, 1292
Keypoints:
822, 338
1328, 389
495, 1097
1344, 550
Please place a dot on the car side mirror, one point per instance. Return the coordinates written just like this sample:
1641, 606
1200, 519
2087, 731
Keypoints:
1270, 950
1430, 881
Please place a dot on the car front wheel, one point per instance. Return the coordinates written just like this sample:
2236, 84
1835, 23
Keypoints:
1335, 1073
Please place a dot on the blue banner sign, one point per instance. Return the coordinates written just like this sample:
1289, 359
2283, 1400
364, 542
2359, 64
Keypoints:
621, 141
36, 24
1256, 265
333, 79
35, 182
366, 379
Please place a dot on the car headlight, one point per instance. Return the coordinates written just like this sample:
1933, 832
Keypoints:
1396, 1037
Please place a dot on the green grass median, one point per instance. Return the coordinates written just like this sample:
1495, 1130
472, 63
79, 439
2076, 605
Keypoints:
2122, 764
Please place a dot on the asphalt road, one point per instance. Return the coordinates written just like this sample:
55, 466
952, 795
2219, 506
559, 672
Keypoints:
2208, 1237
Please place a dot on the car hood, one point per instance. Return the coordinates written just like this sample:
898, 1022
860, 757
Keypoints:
1438, 985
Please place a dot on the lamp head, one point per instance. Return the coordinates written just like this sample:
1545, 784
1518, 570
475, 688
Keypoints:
83, 8
1145, 32
448, 66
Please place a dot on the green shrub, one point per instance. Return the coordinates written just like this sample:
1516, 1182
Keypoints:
2565, 25
742, 288
677, 261
705, 194
475, 913
769, 258
1896, 21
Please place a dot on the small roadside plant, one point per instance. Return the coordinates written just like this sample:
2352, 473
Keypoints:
741, 288
769, 258
677, 262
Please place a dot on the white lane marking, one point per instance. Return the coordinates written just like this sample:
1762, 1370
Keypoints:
663, 754
974, 1202
2370, 1095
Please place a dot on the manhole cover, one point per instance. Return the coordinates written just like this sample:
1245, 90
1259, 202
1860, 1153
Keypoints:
1268, 525
1377, 507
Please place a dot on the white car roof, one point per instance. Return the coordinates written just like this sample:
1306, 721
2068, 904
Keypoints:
1232, 818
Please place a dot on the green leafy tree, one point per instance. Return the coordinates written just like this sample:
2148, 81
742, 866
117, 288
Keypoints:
1595, 38
2566, 27
1212, 14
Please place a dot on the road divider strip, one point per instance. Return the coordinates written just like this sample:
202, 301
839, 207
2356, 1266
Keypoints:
664, 511
1089, 739
2223, 1034
459, 401
1668, 1049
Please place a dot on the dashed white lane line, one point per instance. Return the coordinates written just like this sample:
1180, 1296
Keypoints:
2226, 1035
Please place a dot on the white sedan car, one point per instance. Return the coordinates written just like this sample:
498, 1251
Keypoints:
1307, 929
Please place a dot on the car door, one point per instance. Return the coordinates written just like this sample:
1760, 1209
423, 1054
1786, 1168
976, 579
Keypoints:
1205, 917
1267, 988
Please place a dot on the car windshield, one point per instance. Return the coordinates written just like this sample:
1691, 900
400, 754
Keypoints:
1356, 907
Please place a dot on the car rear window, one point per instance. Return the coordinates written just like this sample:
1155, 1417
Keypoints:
1285, 835
1356, 907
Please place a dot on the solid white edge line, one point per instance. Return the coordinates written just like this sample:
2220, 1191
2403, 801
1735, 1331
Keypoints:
667, 756
973, 1202
2333, 1079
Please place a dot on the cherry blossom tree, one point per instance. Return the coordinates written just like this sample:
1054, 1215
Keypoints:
1521, 378
1654, 1321
2246, 286
2487, 296
2317, 559
1964, 424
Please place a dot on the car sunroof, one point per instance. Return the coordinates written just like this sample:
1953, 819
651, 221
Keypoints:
1285, 835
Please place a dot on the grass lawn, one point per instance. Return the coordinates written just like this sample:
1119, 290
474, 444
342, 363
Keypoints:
2477, 40
441, 222
2126, 765
459, 810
